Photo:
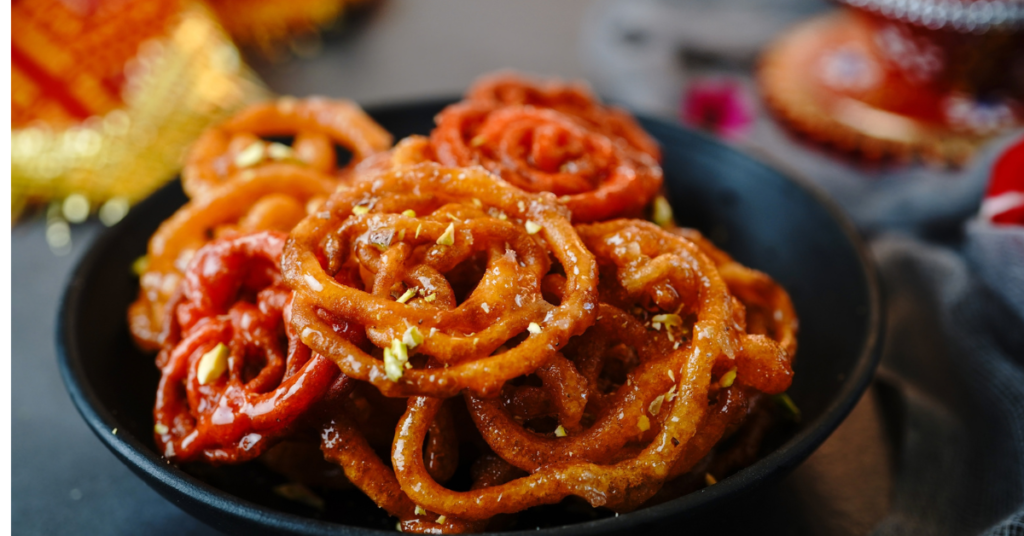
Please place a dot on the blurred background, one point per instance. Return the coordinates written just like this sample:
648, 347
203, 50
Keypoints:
909, 113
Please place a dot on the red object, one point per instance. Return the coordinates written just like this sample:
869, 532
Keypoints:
717, 106
69, 57
1004, 200
233, 295
884, 88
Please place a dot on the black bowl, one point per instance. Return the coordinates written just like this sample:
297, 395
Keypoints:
763, 218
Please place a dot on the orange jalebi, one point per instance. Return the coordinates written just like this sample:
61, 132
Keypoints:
451, 254
261, 199
553, 139
433, 309
316, 124
269, 194
574, 99
642, 430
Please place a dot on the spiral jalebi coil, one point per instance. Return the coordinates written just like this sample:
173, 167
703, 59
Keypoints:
316, 124
444, 267
449, 261
553, 138
654, 403
448, 311
274, 189
476, 283
570, 98
229, 387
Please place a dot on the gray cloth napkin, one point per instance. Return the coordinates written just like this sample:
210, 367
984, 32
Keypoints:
955, 355
953, 362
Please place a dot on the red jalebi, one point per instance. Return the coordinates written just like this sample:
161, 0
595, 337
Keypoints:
266, 386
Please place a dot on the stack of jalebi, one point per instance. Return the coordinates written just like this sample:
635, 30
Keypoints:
241, 183
440, 313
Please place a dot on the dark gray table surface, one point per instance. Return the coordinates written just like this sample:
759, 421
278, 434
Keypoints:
65, 482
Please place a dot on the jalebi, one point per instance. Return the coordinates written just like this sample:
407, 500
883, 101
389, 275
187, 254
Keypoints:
441, 306
271, 193
553, 139
262, 386
448, 261
316, 124
661, 405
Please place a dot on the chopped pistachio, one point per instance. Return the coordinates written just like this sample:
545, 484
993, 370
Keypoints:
430, 298
448, 238
502, 216
161, 428
656, 326
655, 406
408, 295
280, 151
709, 479
398, 348
213, 364
412, 337
251, 155
395, 359
726, 380
560, 431
787, 403
662, 212
441, 520
401, 235
359, 210
644, 424
398, 526
114, 431
409, 213
418, 229
392, 367
532, 228
670, 320
477, 203
140, 265
312, 282
533, 328
671, 394
420, 511
477, 141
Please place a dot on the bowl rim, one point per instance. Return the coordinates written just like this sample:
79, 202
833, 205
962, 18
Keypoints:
166, 478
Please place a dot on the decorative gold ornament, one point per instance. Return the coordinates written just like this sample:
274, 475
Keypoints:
180, 82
